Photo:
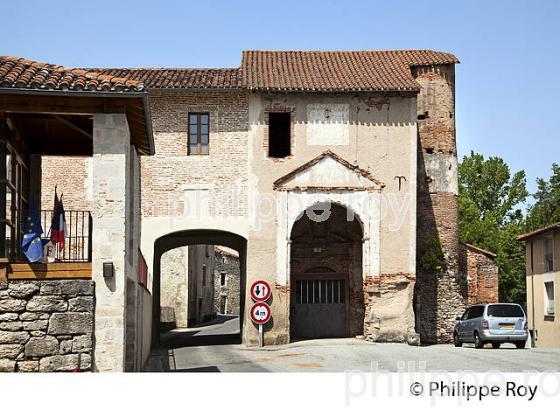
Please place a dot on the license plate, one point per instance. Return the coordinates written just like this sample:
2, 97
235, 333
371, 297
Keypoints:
507, 326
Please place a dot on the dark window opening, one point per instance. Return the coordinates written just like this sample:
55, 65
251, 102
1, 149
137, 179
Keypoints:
279, 124
223, 301
199, 129
222, 279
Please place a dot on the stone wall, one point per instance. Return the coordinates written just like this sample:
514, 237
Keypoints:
46, 325
479, 275
226, 262
173, 292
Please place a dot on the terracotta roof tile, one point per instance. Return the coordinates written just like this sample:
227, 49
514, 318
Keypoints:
337, 70
177, 78
18, 72
260, 70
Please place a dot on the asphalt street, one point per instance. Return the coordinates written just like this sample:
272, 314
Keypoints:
215, 348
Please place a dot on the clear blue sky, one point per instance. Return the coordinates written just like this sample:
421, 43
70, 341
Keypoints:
508, 86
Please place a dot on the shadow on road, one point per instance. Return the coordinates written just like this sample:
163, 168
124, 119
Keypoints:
224, 330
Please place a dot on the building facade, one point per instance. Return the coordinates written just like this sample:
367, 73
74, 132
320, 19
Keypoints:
82, 311
542, 250
187, 287
226, 281
333, 175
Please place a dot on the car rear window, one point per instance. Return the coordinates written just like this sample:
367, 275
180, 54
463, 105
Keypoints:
505, 311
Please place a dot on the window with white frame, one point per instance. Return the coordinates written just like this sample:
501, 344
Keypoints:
549, 298
548, 246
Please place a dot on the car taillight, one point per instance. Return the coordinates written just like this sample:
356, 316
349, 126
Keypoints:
526, 326
485, 324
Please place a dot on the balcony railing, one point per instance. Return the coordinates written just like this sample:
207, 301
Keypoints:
77, 244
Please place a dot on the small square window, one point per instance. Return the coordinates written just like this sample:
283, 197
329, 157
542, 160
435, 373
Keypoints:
199, 132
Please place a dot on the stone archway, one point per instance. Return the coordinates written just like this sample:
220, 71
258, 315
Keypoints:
188, 238
326, 277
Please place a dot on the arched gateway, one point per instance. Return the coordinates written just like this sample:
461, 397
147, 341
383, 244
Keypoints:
326, 276
191, 237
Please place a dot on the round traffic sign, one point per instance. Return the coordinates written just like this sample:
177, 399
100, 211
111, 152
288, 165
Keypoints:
260, 313
260, 291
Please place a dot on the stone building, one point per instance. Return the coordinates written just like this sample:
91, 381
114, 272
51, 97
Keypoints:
333, 175
226, 281
187, 289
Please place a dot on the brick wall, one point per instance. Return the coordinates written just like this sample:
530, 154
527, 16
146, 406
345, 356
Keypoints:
166, 175
438, 296
479, 275
72, 176
171, 172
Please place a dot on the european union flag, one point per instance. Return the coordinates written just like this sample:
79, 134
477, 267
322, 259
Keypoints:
31, 244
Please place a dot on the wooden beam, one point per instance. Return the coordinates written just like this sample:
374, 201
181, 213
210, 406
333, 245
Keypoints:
56, 270
56, 105
74, 126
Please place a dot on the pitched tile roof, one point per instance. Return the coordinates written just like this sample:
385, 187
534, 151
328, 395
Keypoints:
20, 73
545, 229
260, 70
176, 78
337, 70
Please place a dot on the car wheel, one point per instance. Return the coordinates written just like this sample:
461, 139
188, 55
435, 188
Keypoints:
496, 345
456, 340
479, 344
520, 345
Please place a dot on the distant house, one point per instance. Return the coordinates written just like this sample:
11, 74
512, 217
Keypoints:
542, 249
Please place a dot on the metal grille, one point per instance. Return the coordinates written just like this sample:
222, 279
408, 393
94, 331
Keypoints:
320, 291
77, 246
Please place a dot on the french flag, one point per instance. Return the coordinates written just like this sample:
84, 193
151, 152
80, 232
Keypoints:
58, 224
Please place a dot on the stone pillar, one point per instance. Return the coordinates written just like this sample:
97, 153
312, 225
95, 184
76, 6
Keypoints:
111, 156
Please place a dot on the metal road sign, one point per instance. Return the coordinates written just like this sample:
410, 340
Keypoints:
260, 291
260, 313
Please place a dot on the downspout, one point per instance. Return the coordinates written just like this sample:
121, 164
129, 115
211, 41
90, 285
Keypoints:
534, 332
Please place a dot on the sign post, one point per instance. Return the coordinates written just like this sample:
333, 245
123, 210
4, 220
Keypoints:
260, 311
260, 314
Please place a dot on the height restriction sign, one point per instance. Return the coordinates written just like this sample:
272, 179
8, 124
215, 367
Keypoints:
260, 291
260, 314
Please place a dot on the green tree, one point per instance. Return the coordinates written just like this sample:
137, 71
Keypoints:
490, 217
546, 209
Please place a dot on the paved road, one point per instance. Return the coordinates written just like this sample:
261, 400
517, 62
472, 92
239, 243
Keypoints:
216, 348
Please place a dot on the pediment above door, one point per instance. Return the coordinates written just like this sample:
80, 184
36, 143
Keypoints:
328, 171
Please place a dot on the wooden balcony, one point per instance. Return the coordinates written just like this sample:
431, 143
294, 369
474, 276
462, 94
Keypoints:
55, 270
